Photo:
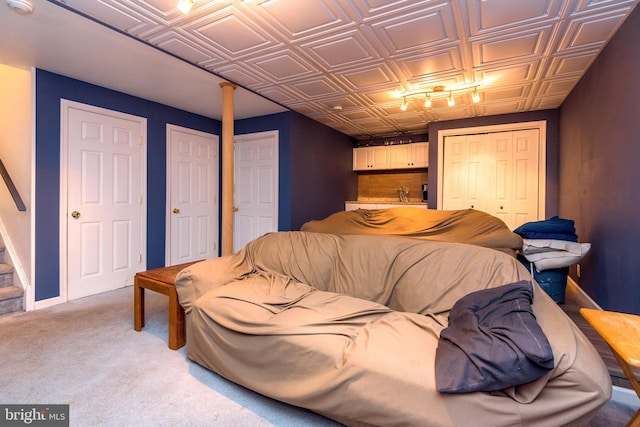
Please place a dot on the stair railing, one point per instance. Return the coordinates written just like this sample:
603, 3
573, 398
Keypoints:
12, 188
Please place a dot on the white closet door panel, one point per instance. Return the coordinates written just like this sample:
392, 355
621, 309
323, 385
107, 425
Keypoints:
455, 180
525, 179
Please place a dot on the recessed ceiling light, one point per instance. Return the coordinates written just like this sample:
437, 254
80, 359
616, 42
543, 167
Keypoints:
22, 7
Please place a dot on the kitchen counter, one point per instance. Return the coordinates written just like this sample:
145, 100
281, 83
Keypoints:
382, 204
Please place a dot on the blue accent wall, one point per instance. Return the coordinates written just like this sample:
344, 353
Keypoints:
322, 176
552, 119
50, 89
600, 170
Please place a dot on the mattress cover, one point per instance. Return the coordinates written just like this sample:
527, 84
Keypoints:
348, 326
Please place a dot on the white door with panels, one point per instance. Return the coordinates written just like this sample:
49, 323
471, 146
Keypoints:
512, 193
103, 232
192, 195
494, 172
465, 182
255, 195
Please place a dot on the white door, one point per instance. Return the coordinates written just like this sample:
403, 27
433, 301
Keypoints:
255, 187
496, 172
192, 208
104, 192
465, 181
525, 185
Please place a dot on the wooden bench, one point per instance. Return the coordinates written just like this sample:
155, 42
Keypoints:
161, 280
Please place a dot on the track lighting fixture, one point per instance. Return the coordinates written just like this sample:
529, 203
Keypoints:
185, 6
451, 100
475, 96
441, 92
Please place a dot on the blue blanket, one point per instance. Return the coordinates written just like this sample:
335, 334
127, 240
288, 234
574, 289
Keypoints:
552, 228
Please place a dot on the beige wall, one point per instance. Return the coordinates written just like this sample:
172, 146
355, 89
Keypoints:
16, 124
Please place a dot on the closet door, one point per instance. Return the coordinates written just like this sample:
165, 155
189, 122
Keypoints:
465, 179
525, 180
495, 172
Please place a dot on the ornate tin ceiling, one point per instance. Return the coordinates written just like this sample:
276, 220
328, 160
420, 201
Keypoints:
345, 62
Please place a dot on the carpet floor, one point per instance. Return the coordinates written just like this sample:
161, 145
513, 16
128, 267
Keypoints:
85, 353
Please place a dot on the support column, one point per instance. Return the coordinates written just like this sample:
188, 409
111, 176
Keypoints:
227, 168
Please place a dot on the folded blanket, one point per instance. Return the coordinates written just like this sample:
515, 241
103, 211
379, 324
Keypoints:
542, 235
493, 342
552, 228
548, 254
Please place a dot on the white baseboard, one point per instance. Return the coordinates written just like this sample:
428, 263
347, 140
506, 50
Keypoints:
625, 396
586, 299
48, 303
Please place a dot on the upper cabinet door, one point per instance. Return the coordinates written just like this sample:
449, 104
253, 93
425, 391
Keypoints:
361, 159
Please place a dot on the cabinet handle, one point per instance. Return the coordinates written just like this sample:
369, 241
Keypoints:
501, 207
471, 206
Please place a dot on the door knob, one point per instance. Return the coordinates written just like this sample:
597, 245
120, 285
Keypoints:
176, 210
235, 209
75, 214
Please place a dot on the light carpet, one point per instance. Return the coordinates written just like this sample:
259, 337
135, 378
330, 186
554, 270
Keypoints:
85, 353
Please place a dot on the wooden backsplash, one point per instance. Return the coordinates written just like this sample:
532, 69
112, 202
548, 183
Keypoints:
384, 185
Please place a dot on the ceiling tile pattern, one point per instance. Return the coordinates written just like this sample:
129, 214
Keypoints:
345, 63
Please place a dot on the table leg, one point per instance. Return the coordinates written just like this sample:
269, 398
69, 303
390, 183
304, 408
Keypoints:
138, 306
176, 321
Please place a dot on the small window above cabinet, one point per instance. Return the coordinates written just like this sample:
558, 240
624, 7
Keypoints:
402, 156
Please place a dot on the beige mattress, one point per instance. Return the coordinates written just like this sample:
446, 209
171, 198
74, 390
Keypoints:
348, 326
461, 226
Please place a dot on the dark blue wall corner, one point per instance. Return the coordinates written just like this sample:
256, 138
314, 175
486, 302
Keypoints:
322, 176
50, 89
599, 153
552, 118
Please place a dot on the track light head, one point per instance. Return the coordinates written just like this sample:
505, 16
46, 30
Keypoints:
475, 96
451, 100
185, 6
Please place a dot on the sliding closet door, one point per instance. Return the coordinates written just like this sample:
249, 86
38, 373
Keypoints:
465, 179
493, 172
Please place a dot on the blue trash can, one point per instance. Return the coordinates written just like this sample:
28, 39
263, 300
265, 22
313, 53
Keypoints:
553, 282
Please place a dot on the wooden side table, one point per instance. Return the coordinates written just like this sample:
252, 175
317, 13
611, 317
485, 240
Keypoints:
161, 280
622, 333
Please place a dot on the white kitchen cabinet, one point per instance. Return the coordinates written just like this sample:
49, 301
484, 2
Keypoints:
371, 158
408, 156
385, 157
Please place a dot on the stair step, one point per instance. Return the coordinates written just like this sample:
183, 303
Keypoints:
6, 275
11, 299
